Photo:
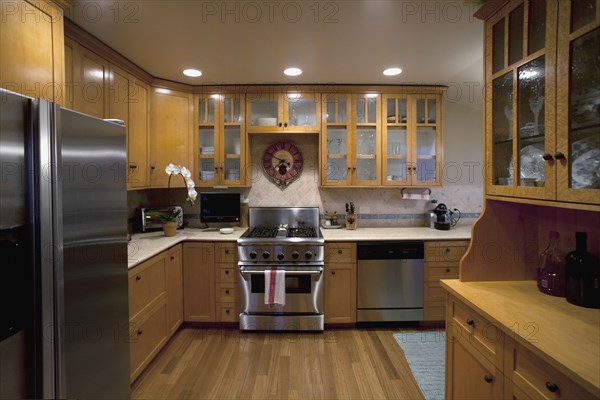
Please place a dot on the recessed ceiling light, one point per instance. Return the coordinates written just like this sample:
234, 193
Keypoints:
194, 73
392, 71
293, 71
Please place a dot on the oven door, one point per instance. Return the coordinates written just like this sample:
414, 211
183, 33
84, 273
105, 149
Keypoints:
303, 290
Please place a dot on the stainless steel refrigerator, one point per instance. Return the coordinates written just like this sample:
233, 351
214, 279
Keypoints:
63, 253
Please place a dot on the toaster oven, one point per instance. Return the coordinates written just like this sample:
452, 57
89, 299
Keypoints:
150, 223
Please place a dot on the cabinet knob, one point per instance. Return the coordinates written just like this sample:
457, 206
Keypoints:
227, 292
226, 272
559, 156
339, 252
139, 332
138, 278
226, 251
226, 311
332, 272
470, 322
285, 125
488, 378
280, 124
216, 167
447, 269
353, 168
152, 167
547, 156
132, 166
172, 258
552, 387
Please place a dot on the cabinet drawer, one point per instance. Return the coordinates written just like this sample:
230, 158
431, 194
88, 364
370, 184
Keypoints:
227, 312
536, 378
226, 275
472, 328
434, 274
227, 293
434, 292
147, 282
225, 252
434, 311
147, 335
445, 253
340, 253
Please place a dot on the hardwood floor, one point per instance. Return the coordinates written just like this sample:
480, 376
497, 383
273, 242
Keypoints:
229, 364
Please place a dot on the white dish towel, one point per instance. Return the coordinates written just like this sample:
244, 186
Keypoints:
275, 287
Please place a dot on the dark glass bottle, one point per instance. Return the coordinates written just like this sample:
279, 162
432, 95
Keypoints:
551, 269
582, 275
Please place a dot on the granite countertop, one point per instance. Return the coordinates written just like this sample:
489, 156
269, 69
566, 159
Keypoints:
146, 245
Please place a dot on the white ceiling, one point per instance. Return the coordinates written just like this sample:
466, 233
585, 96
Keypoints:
344, 42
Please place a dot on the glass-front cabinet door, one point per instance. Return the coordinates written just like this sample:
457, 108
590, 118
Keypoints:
221, 140
366, 155
336, 140
521, 97
291, 111
425, 168
578, 102
395, 140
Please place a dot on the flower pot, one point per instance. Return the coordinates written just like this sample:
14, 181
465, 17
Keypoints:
170, 228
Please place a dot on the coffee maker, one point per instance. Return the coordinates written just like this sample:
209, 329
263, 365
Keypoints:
445, 219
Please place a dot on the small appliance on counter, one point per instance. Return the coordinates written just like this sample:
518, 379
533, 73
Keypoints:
149, 223
444, 218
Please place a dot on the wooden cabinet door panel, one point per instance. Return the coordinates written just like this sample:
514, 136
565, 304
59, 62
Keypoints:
199, 282
174, 289
340, 293
137, 135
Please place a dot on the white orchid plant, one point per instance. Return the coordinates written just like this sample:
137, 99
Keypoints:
173, 212
185, 173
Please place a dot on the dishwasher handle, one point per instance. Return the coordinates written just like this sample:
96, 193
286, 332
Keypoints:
404, 250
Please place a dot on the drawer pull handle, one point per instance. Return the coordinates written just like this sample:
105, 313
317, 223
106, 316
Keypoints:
332, 272
447, 269
226, 311
172, 258
226, 272
552, 387
227, 292
138, 278
470, 322
488, 378
339, 252
227, 251
447, 250
139, 332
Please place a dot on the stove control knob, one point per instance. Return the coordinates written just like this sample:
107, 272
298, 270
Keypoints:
253, 255
280, 256
308, 254
295, 254
266, 254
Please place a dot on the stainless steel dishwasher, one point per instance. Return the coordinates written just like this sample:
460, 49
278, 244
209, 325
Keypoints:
390, 281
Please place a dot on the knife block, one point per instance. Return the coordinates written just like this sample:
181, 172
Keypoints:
351, 221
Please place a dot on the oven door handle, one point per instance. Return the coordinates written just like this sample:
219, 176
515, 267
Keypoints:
244, 271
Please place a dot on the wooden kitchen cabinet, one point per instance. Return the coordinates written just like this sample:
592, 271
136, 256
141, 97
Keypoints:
293, 111
171, 130
174, 285
137, 135
32, 49
227, 285
412, 140
441, 262
351, 140
199, 282
542, 95
340, 283
221, 140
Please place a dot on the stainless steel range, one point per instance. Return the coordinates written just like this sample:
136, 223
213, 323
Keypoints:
286, 239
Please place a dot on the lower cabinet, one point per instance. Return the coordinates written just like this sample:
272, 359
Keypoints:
340, 283
210, 282
441, 262
155, 306
484, 363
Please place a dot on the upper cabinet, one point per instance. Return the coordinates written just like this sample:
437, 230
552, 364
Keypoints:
171, 114
293, 111
542, 99
32, 49
412, 140
220, 140
137, 134
350, 140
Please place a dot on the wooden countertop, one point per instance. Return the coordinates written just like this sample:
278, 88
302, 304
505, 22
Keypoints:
566, 336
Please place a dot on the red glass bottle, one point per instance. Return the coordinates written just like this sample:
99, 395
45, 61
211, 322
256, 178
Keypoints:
551, 269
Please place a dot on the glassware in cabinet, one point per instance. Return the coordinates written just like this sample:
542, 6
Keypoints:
291, 111
366, 153
336, 140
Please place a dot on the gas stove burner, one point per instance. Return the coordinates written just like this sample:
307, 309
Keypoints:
302, 232
263, 232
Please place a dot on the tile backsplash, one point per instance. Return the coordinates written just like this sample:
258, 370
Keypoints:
376, 207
